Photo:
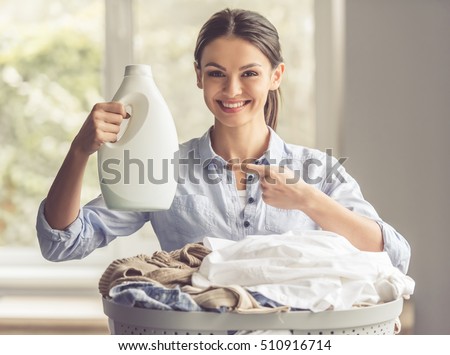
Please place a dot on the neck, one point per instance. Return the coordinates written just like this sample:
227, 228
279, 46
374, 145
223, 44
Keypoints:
240, 143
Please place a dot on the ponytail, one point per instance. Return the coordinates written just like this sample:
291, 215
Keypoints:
272, 107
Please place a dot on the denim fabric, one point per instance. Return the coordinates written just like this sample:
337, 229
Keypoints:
267, 302
147, 295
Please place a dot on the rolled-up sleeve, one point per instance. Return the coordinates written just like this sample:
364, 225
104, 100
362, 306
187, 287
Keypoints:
95, 227
344, 189
396, 246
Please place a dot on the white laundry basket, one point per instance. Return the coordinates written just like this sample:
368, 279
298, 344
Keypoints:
377, 320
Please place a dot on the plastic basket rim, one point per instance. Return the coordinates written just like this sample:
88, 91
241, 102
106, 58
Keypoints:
295, 320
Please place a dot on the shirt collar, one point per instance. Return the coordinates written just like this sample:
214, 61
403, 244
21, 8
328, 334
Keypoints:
275, 152
272, 156
207, 153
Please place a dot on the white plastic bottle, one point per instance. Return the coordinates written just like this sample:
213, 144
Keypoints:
137, 172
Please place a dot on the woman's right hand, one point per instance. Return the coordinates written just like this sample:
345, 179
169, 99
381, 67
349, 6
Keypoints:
102, 125
63, 200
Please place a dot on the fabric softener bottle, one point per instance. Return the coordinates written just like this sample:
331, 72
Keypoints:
137, 172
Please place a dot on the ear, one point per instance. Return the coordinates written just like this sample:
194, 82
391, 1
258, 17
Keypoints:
198, 74
276, 76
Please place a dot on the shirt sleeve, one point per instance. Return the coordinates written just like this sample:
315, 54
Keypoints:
95, 227
343, 188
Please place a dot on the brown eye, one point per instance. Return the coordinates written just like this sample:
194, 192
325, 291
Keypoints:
249, 73
216, 74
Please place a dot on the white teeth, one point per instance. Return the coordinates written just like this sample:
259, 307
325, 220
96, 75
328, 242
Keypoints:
233, 105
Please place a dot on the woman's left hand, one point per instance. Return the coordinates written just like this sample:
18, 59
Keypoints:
284, 188
281, 187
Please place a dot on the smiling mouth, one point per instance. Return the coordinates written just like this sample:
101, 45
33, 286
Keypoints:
233, 106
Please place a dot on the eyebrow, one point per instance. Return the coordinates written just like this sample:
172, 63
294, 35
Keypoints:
247, 66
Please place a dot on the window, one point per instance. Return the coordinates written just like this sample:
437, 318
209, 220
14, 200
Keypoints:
50, 68
51, 55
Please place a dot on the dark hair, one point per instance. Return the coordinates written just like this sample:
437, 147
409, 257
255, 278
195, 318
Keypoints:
257, 30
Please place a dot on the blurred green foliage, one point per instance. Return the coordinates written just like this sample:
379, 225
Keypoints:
48, 82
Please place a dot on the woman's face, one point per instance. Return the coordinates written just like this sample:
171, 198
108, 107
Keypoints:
236, 77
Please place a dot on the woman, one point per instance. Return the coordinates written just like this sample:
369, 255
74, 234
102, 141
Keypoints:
239, 67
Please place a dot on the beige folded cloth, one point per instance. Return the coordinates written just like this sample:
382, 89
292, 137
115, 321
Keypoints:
235, 298
165, 268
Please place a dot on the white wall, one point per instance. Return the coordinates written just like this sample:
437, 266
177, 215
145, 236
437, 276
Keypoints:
395, 129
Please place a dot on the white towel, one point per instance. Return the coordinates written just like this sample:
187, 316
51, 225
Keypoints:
313, 270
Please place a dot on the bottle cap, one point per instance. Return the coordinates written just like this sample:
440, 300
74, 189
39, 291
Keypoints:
138, 69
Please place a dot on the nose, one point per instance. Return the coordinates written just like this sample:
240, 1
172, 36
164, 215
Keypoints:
232, 86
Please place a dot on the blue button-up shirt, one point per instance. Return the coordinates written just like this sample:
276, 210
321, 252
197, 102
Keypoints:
207, 204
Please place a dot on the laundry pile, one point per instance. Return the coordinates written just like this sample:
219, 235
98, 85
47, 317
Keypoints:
311, 270
163, 281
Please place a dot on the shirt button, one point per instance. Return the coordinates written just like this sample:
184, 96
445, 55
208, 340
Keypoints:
251, 200
246, 224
